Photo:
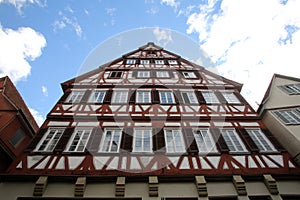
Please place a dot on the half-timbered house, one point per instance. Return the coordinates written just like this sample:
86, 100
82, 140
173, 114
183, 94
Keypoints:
152, 125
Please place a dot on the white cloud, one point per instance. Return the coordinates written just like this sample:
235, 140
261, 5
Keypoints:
171, 3
65, 22
162, 36
250, 40
45, 90
37, 116
110, 11
17, 48
153, 10
19, 4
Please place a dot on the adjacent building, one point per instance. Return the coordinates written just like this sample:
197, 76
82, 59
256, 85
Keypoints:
17, 126
280, 111
152, 125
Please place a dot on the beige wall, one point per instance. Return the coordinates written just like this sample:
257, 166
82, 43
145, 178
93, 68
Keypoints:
278, 98
11, 190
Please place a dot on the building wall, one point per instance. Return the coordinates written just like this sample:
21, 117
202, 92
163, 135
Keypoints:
180, 190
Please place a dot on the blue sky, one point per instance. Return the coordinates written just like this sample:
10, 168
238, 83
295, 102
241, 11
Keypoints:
44, 43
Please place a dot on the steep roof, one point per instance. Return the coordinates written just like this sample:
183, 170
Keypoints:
140, 53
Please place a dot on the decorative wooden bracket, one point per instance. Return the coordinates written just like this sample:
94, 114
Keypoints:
153, 186
80, 186
120, 187
201, 186
40, 186
239, 185
271, 184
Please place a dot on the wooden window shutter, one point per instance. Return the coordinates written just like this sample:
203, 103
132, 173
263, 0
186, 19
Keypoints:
155, 97
178, 98
273, 140
108, 96
220, 97
221, 144
240, 98
158, 140
86, 96
94, 141
64, 97
126, 142
36, 140
200, 97
132, 95
247, 140
64, 139
196, 72
152, 74
134, 73
171, 74
190, 141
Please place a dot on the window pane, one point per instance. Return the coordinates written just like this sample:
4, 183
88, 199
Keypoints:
210, 97
75, 97
143, 97
260, 140
142, 140
120, 97
17, 137
111, 141
233, 141
174, 141
49, 140
204, 141
230, 97
166, 97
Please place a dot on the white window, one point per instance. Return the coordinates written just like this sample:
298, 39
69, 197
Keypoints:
210, 97
289, 117
260, 140
79, 140
204, 141
189, 97
145, 62
189, 75
172, 62
230, 97
49, 140
232, 140
142, 140
159, 62
143, 97
291, 88
111, 140
75, 97
166, 97
174, 141
130, 61
97, 97
143, 74
119, 97
162, 74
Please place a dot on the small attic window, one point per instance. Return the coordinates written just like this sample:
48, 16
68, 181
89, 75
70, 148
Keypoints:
172, 62
130, 61
291, 88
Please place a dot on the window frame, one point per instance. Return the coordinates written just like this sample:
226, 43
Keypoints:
162, 74
173, 142
159, 62
17, 137
231, 140
167, 98
118, 74
189, 97
130, 61
291, 89
144, 62
288, 116
109, 150
78, 96
113, 99
139, 73
92, 98
38, 146
142, 140
210, 148
208, 99
138, 100
230, 99
188, 75
260, 141
172, 62
74, 134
